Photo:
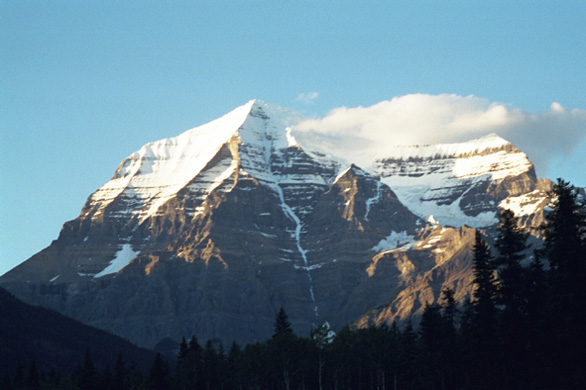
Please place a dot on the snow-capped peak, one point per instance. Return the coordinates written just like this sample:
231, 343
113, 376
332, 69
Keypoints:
481, 145
435, 179
159, 169
151, 176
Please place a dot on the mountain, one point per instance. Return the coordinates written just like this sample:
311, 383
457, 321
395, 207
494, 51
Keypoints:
462, 183
211, 232
54, 341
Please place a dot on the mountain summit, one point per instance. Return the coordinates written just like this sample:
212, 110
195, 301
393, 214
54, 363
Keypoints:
210, 232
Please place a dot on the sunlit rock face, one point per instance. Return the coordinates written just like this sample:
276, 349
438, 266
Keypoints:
209, 233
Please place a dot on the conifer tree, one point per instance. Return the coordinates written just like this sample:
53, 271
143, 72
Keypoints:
511, 244
87, 374
134, 379
565, 249
106, 380
449, 307
6, 382
432, 334
189, 371
234, 366
19, 379
194, 345
282, 324
565, 229
485, 291
286, 351
536, 357
211, 366
451, 348
483, 336
119, 375
409, 375
182, 350
33, 380
159, 374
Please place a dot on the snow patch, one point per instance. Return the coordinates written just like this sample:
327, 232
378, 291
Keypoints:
393, 241
373, 200
121, 260
267, 235
419, 198
311, 267
526, 204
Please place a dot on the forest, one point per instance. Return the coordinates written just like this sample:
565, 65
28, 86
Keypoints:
524, 327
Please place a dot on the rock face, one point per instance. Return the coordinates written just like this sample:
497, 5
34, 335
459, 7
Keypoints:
210, 232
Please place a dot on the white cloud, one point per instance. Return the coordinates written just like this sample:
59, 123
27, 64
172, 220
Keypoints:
308, 97
427, 119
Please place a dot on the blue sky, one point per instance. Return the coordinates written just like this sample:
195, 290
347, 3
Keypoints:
84, 85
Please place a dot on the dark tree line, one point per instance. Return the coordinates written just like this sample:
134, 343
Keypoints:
524, 327
526, 324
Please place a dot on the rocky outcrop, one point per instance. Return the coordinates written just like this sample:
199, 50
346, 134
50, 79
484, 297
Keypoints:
442, 258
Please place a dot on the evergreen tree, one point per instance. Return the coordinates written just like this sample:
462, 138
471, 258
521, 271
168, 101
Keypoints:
451, 347
211, 367
106, 380
565, 229
134, 378
6, 382
234, 367
183, 349
449, 307
409, 373
432, 332
536, 357
282, 324
189, 372
483, 336
159, 374
343, 359
19, 379
52, 380
511, 243
257, 367
485, 291
283, 352
119, 375
33, 381
565, 249
87, 376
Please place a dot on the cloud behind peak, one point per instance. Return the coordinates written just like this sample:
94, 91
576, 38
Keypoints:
429, 119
